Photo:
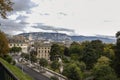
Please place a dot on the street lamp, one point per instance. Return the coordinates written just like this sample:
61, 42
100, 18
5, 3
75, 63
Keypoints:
22, 62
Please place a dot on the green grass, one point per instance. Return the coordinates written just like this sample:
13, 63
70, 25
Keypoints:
16, 71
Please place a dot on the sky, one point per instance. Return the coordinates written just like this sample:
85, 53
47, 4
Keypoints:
73, 17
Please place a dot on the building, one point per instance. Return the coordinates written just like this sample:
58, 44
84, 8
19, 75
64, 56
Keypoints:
18, 41
43, 50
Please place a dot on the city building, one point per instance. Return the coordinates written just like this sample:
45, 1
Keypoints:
18, 41
43, 50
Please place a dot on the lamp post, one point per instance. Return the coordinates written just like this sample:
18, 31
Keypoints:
22, 62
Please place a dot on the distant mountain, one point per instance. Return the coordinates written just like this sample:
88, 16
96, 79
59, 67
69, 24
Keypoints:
89, 38
62, 37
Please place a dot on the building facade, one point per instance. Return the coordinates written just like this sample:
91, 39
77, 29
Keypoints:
43, 50
18, 41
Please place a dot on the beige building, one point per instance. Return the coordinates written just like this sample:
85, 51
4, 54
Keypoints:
18, 41
43, 50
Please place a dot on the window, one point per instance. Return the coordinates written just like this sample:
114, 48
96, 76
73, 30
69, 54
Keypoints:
10, 44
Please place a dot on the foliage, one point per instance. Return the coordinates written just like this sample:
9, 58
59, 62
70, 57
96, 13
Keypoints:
15, 49
54, 78
5, 6
81, 65
109, 51
104, 72
16, 71
56, 51
43, 62
8, 58
55, 65
26, 56
3, 44
66, 51
116, 62
33, 58
103, 61
72, 72
91, 52
76, 49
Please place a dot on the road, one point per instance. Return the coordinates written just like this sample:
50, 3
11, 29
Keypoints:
32, 73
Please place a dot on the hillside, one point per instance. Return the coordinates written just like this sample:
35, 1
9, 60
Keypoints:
62, 37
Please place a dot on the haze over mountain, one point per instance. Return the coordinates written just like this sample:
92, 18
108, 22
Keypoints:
63, 37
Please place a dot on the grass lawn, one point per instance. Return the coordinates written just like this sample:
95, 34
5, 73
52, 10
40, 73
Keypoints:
16, 71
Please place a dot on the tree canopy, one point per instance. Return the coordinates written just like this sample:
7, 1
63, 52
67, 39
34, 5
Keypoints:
5, 6
3, 44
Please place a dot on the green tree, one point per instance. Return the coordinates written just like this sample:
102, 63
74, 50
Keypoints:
54, 78
33, 58
3, 44
81, 65
55, 52
66, 51
8, 58
104, 72
76, 48
91, 52
117, 55
73, 72
43, 62
109, 51
103, 61
55, 65
26, 56
15, 49
5, 6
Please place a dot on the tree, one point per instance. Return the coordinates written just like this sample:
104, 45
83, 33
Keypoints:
55, 65
109, 51
8, 58
75, 48
117, 55
54, 78
104, 72
3, 44
72, 72
33, 58
5, 6
55, 52
103, 61
91, 52
81, 65
15, 49
66, 51
26, 56
43, 62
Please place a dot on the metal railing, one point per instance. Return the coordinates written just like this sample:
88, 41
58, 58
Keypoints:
5, 74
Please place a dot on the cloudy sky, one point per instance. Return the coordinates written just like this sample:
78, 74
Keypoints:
74, 17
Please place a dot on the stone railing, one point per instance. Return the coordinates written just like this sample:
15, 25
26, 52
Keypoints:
6, 74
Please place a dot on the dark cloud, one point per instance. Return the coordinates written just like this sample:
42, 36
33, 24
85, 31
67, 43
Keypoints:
45, 27
21, 17
23, 22
23, 5
10, 26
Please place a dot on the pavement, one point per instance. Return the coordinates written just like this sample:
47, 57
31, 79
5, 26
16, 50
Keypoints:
35, 72
36, 75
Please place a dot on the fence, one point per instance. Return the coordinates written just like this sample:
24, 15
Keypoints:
5, 74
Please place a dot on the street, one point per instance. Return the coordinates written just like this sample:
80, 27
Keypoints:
32, 73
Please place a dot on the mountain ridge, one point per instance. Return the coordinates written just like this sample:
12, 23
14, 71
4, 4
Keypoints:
63, 37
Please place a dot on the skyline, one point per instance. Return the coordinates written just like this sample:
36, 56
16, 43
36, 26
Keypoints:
74, 17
